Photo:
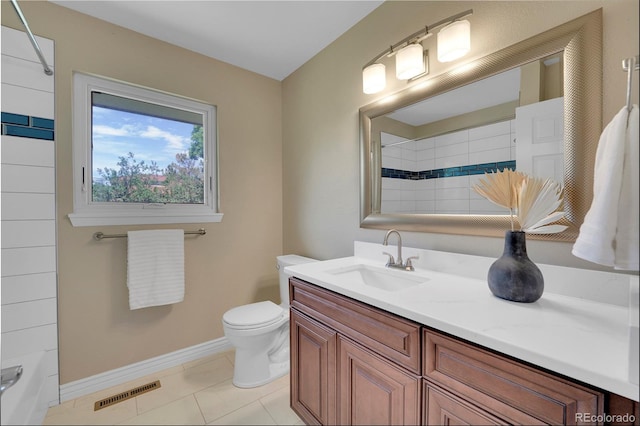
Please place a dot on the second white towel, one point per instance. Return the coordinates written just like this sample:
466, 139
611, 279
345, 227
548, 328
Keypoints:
609, 234
155, 267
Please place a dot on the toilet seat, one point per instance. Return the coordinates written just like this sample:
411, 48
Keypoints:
253, 315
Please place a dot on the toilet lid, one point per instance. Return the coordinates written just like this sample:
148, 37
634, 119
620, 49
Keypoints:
254, 314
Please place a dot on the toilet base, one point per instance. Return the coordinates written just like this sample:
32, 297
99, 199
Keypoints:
276, 370
261, 357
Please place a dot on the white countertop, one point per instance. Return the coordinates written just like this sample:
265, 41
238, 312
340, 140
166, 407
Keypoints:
569, 334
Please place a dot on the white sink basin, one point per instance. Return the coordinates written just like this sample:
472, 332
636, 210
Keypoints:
382, 278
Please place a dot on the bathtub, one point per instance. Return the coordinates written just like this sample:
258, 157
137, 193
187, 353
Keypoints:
26, 402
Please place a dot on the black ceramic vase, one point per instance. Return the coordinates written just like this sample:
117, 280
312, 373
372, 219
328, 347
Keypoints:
514, 276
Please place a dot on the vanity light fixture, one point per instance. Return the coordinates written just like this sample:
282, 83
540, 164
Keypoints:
374, 78
411, 59
454, 41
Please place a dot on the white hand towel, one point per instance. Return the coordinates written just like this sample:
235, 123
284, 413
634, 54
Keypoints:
609, 234
155, 267
626, 251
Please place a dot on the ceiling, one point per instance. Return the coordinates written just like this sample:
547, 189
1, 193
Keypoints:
272, 38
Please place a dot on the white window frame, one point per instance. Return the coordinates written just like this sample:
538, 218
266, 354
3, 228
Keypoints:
89, 213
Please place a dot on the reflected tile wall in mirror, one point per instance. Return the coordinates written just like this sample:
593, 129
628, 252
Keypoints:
436, 175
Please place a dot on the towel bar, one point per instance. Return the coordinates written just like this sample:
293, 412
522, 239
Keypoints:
99, 235
629, 65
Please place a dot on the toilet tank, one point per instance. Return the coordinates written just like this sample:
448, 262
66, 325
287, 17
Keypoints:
283, 262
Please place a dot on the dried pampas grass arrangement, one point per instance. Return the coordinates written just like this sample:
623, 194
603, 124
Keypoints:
534, 201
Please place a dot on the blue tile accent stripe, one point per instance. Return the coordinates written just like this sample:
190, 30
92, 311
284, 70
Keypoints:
9, 118
43, 123
27, 127
472, 169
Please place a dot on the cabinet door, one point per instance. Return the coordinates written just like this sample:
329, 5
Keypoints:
444, 408
313, 370
373, 391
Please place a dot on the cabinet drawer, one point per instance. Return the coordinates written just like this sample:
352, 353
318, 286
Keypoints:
395, 338
521, 394
443, 408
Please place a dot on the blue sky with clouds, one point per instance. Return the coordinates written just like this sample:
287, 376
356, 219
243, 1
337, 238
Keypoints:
116, 133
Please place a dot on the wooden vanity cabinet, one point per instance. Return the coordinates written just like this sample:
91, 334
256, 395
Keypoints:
352, 363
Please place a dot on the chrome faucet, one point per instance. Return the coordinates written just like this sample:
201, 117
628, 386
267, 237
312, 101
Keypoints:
397, 263
9, 376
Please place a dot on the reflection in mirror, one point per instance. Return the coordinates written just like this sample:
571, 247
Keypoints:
434, 151
537, 107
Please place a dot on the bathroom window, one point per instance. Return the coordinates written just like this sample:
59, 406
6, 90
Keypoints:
141, 156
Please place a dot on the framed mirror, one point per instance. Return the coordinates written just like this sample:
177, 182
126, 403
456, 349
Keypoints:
442, 177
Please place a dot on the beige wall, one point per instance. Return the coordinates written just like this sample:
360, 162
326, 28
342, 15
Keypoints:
321, 101
232, 265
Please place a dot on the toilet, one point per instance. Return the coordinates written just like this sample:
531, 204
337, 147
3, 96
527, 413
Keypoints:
259, 332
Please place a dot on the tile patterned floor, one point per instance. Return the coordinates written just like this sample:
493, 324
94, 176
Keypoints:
195, 393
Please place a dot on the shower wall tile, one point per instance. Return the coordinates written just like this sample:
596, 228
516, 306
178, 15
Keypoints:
22, 288
27, 101
16, 43
489, 156
28, 233
18, 343
452, 206
27, 132
29, 260
490, 130
490, 143
426, 144
24, 73
17, 206
452, 138
452, 149
453, 194
29, 268
483, 206
20, 316
11, 118
452, 182
20, 178
426, 164
443, 162
30, 152
425, 207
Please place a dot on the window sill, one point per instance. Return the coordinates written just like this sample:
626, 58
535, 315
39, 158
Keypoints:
97, 219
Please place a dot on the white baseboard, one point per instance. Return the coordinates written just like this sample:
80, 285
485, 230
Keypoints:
124, 374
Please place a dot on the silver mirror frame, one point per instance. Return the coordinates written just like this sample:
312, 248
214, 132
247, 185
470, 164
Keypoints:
581, 42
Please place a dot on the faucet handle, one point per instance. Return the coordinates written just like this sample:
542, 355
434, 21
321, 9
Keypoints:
391, 260
409, 265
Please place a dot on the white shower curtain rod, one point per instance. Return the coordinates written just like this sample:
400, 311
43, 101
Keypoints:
34, 43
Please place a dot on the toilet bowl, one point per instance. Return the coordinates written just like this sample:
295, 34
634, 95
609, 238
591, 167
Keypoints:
259, 332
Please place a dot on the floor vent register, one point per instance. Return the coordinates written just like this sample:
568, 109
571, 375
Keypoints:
123, 396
